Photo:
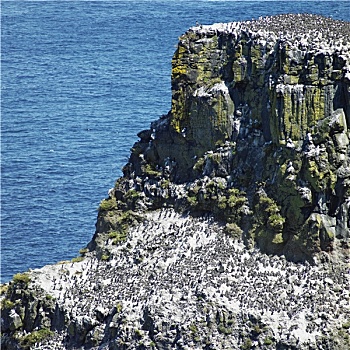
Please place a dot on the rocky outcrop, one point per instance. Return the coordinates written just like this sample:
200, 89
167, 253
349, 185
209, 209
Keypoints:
253, 158
261, 108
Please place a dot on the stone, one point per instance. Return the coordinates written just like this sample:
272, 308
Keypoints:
15, 321
341, 141
338, 121
101, 313
79, 328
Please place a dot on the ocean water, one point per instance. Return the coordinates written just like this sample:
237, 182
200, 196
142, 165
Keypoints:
79, 80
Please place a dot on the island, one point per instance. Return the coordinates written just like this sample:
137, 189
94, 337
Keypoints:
230, 226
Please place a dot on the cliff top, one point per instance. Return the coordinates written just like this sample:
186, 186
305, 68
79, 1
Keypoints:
310, 31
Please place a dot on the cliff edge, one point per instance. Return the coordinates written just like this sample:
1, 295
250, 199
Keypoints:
230, 225
259, 111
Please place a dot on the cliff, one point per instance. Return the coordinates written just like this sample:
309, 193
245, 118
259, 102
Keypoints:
260, 109
252, 159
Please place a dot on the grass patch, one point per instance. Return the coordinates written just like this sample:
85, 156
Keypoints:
4, 288
268, 341
233, 230
247, 344
104, 257
108, 204
118, 236
119, 308
346, 325
31, 339
151, 171
21, 278
7, 304
83, 251
224, 330
77, 259
193, 328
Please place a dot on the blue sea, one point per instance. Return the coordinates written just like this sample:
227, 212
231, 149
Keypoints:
79, 80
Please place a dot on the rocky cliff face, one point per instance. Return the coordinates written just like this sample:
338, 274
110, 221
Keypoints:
253, 154
259, 109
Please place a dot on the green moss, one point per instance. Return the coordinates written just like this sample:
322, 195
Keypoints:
346, 325
256, 330
268, 341
119, 308
83, 251
178, 70
138, 333
269, 214
105, 257
294, 114
21, 278
178, 110
125, 219
118, 236
132, 194
222, 202
342, 338
164, 184
236, 198
120, 223
268, 224
194, 190
233, 230
228, 205
192, 201
224, 330
193, 328
278, 239
239, 69
276, 222
108, 204
62, 262
35, 337
268, 205
3, 289
247, 344
78, 259
113, 234
149, 170
7, 304
319, 175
